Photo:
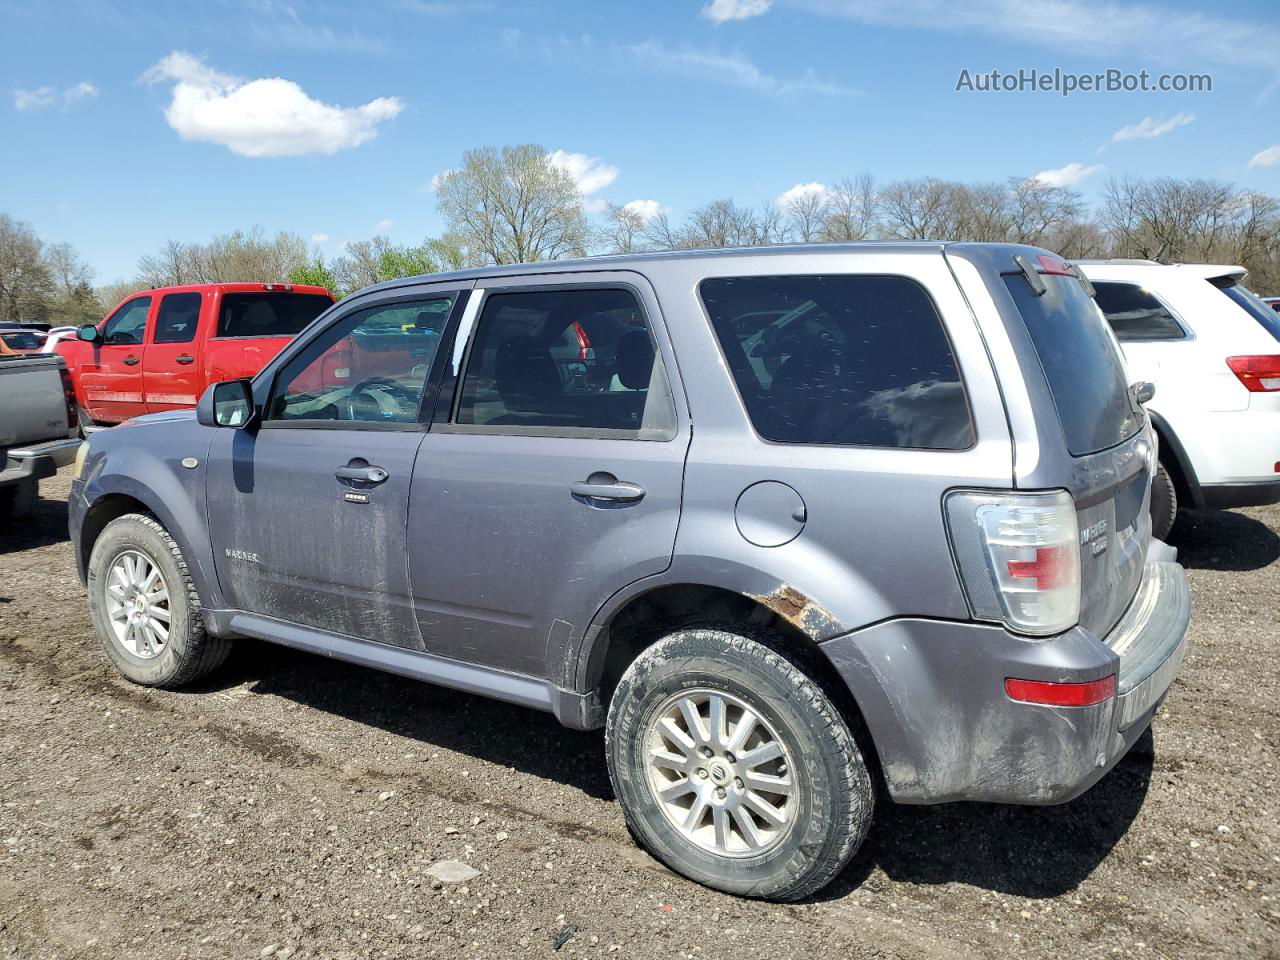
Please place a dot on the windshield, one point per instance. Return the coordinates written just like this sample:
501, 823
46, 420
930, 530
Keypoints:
21, 341
1253, 306
1081, 363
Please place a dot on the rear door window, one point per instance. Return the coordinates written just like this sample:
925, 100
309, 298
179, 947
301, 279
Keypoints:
853, 360
1250, 303
1135, 313
581, 361
177, 318
1081, 364
268, 314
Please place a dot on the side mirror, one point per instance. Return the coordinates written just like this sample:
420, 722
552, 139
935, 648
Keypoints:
226, 404
1143, 391
88, 333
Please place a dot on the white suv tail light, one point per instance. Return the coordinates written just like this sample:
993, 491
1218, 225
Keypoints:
1018, 555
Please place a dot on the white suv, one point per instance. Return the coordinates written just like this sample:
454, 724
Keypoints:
1212, 349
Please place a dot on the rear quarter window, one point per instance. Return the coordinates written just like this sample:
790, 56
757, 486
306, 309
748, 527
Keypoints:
840, 359
1081, 365
1248, 301
1135, 313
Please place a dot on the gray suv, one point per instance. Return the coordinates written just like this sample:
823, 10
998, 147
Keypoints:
800, 527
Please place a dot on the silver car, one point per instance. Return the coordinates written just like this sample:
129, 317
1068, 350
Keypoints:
797, 524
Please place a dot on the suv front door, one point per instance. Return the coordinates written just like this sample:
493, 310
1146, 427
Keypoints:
546, 485
308, 509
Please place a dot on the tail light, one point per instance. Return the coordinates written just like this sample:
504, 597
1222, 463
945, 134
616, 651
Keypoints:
69, 395
1258, 374
584, 342
1018, 556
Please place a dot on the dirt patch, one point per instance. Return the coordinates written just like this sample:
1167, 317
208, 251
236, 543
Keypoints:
296, 803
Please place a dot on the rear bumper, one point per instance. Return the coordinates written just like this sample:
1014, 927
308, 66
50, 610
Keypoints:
37, 461
1224, 496
932, 694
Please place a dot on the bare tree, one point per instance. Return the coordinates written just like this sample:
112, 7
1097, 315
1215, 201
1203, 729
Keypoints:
806, 210
623, 230
1037, 209
514, 205
928, 209
853, 207
659, 234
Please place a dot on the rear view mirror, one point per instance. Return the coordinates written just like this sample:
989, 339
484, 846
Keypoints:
88, 333
226, 404
1143, 391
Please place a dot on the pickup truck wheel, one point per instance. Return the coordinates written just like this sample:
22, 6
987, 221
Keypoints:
733, 766
1164, 503
145, 608
17, 500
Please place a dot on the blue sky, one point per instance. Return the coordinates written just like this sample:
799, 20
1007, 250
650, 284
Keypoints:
126, 123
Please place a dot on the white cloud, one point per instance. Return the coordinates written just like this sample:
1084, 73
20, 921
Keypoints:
721, 10
319, 239
382, 226
1094, 27
647, 209
589, 173
1069, 175
1149, 128
1266, 158
801, 190
270, 117
730, 69
44, 97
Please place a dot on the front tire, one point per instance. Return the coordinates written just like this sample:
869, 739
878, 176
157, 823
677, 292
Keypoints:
733, 766
145, 609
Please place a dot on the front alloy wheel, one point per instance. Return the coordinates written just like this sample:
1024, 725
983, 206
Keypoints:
137, 603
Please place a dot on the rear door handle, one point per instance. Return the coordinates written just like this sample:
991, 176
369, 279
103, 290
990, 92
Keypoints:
185, 359
363, 474
605, 486
130, 361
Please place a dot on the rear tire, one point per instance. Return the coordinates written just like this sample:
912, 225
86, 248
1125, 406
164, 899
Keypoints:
1164, 503
775, 812
145, 609
17, 500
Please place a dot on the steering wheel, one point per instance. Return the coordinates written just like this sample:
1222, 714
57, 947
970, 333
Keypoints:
406, 399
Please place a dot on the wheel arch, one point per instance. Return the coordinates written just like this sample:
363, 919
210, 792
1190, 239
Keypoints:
1176, 460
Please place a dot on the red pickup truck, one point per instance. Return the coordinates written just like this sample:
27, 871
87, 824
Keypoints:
160, 348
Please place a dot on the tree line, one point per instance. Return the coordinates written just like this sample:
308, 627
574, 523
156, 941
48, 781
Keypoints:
514, 204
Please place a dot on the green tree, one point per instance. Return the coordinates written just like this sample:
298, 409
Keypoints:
315, 274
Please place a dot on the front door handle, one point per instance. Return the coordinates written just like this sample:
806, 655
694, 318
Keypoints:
130, 361
365, 474
605, 486
185, 359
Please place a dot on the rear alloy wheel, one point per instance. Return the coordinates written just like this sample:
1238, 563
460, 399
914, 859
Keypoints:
734, 767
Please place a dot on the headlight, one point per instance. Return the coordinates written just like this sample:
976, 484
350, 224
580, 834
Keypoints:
82, 454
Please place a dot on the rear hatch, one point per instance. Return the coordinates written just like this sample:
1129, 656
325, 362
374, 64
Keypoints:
1105, 433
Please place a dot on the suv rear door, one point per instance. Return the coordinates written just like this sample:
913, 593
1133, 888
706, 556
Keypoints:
544, 486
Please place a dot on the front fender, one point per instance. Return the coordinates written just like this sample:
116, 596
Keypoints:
152, 474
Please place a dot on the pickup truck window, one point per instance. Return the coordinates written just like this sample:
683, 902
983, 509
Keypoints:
371, 367
177, 319
268, 314
849, 360
127, 325
534, 365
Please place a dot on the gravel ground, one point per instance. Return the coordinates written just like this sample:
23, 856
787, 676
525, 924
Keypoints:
291, 807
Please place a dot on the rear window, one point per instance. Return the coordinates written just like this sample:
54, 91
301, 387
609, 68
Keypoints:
1081, 364
268, 314
1135, 313
851, 360
1253, 306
